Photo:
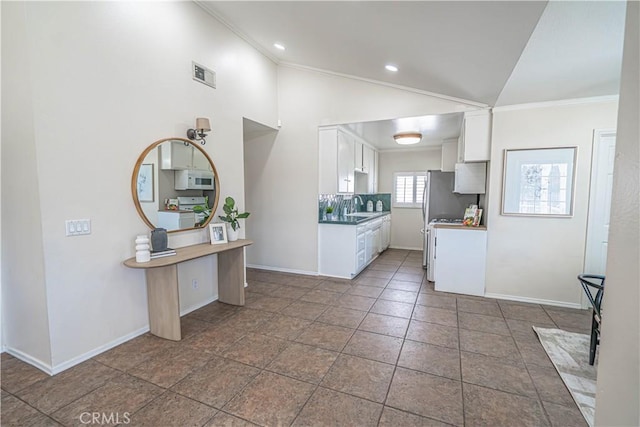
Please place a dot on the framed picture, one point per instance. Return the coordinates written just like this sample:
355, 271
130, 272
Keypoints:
539, 182
145, 183
218, 233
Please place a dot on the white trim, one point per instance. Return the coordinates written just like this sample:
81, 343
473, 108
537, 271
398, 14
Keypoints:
381, 83
238, 32
44, 367
561, 102
198, 305
535, 300
283, 270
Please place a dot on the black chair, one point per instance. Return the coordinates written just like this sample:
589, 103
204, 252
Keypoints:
591, 283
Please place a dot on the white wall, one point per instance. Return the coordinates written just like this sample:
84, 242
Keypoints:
618, 388
535, 257
308, 99
117, 79
406, 222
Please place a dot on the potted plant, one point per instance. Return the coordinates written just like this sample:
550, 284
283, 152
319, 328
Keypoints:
329, 212
231, 218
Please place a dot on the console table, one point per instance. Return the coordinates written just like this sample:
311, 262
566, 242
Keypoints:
162, 282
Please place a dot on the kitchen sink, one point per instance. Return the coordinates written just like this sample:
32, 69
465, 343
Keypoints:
364, 214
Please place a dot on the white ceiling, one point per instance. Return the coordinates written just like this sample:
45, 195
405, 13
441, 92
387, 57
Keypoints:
484, 52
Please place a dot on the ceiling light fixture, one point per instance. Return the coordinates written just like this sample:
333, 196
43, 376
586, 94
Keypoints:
278, 46
391, 67
407, 138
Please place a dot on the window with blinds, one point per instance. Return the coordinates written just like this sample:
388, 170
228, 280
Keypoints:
408, 189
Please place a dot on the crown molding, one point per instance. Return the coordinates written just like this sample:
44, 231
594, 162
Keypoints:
558, 103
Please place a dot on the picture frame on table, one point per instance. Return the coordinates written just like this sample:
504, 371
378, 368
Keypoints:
218, 233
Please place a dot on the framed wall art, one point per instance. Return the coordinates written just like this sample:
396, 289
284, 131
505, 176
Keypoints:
145, 183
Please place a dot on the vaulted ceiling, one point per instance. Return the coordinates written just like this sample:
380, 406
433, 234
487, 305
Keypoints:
485, 52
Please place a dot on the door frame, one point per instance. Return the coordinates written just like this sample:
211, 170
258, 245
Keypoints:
596, 164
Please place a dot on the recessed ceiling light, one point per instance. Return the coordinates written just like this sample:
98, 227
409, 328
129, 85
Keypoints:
391, 67
278, 46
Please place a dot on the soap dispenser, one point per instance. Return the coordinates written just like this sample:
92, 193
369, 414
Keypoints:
369, 206
379, 206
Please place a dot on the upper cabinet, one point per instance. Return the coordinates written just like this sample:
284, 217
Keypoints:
449, 155
474, 144
176, 155
341, 154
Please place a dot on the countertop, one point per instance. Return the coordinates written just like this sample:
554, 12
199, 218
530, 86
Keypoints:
353, 220
458, 226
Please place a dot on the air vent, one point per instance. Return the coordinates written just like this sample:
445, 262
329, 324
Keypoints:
203, 74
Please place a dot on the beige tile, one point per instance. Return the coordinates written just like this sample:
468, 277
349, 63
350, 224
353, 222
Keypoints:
304, 310
483, 323
409, 277
471, 305
331, 286
488, 344
17, 375
488, 407
168, 368
225, 420
432, 333
446, 302
217, 382
400, 296
342, 317
431, 359
270, 303
191, 326
303, 362
247, 320
355, 302
256, 349
403, 285
527, 327
571, 319
270, 399
523, 311
386, 325
383, 267
394, 418
118, 399
214, 341
359, 377
392, 308
290, 292
17, 413
171, 409
564, 416
332, 408
285, 327
419, 271
435, 315
550, 386
371, 281
329, 337
133, 352
374, 346
365, 291
320, 296
378, 274
53, 393
427, 395
214, 312
501, 374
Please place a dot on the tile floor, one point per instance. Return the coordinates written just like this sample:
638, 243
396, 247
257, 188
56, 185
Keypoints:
384, 349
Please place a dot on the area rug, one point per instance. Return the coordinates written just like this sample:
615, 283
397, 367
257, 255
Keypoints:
569, 353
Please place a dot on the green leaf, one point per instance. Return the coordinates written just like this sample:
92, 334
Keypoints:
224, 218
243, 215
229, 202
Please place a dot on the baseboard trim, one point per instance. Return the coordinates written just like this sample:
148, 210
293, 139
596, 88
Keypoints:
44, 367
283, 270
405, 248
535, 300
198, 305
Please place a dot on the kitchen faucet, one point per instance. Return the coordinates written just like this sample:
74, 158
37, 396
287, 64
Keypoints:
353, 205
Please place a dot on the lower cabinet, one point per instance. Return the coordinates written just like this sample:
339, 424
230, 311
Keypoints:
345, 250
460, 260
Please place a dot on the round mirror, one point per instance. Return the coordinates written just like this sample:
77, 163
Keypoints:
175, 185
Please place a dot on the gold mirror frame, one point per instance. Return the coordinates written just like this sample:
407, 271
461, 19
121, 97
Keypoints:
136, 171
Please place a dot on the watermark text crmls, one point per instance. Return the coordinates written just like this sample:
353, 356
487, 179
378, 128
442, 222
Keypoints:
98, 418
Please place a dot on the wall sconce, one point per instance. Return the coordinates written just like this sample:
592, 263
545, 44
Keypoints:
407, 138
200, 132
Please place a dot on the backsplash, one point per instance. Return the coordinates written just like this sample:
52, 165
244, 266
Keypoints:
341, 201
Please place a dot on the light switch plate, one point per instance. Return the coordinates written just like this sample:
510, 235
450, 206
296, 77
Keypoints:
77, 227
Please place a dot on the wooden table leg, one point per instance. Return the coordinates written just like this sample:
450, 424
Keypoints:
231, 276
164, 302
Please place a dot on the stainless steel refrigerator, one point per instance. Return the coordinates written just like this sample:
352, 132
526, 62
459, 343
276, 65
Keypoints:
440, 202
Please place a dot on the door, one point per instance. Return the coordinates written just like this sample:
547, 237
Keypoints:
604, 143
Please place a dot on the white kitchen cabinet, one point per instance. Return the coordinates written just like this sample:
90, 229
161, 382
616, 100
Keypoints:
174, 155
385, 236
460, 260
341, 154
449, 155
470, 178
474, 143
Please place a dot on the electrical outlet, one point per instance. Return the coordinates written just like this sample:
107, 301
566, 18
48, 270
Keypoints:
77, 227
194, 283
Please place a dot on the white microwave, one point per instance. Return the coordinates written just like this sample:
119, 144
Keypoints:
194, 180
